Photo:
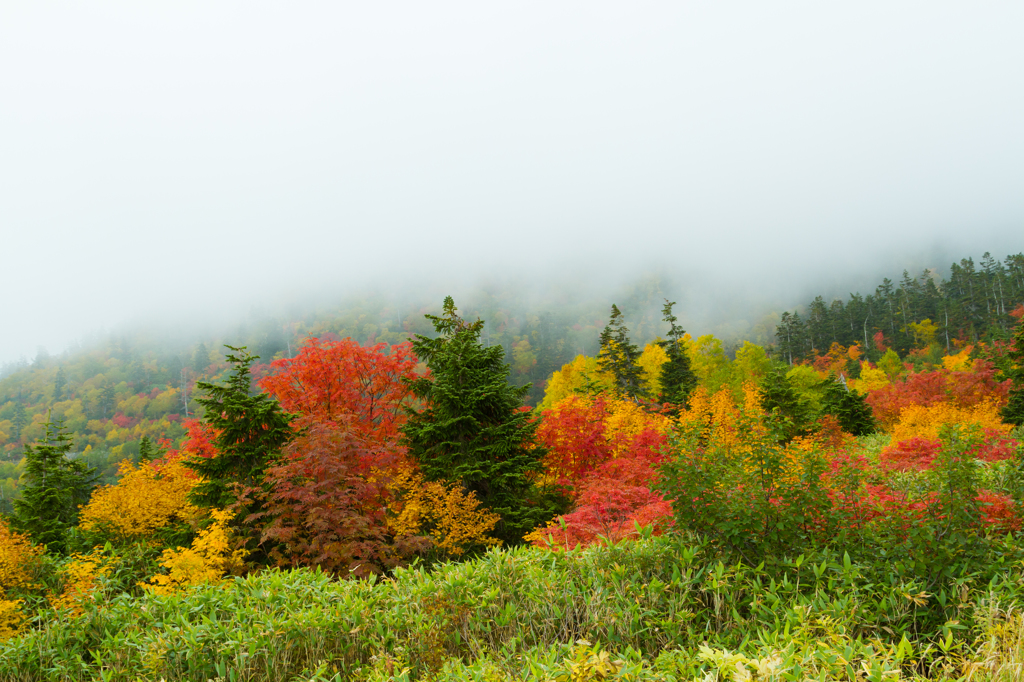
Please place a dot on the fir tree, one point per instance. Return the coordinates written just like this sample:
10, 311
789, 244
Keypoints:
1013, 411
59, 382
53, 487
251, 430
200, 359
473, 427
789, 413
850, 409
618, 357
677, 377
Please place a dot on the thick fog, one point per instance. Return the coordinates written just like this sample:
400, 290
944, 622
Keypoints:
186, 161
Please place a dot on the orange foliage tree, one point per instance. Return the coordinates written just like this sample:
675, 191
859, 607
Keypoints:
582, 432
329, 381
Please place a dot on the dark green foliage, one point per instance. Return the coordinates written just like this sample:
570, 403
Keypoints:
148, 451
53, 487
59, 383
789, 413
973, 303
677, 377
252, 429
850, 409
619, 357
200, 359
472, 426
1013, 411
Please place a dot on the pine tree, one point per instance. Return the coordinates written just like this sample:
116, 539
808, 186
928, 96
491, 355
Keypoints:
677, 377
1013, 411
618, 357
472, 427
53, 487
251, 430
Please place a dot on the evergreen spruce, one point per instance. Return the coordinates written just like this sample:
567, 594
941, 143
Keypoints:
200, 359
52, 488
790, 414
850, 409
1013, 411
59, 383
619, 357
677, 377
472, 426
251, 429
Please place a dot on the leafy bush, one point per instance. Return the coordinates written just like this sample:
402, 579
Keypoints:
657, 608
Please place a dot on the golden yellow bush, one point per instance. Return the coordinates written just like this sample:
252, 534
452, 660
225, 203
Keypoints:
208, 559
81, 579
11, 618
871, 379
146, 498
926, 420
960, 362
451, 516
17, 558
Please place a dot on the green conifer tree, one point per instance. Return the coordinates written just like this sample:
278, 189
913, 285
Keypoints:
789, 413
1013, 411
200, 359
59, 382
618, 357
52, 488
472, 426
252, 430
850, 409
677, 377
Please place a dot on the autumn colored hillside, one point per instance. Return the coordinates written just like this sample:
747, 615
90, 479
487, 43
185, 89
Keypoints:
894, 464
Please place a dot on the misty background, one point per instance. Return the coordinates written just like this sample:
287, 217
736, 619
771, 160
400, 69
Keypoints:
185, 165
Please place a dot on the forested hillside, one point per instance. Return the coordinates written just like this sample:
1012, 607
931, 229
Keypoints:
971, 302
857, 510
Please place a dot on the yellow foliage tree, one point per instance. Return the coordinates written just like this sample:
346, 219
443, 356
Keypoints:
574, 378
146, 498
627, 418
923, 332
925, 421
18, 557
959, 362
751, 362
708, 360
871, 379
452, 517
651, 360
723, 423
208, 559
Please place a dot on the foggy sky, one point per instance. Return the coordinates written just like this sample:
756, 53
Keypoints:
187, 159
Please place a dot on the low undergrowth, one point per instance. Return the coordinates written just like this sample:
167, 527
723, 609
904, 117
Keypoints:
658, 608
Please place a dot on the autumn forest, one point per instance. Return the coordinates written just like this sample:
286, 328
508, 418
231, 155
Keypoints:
554, 492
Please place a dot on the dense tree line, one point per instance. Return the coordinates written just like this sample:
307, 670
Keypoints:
972, 304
